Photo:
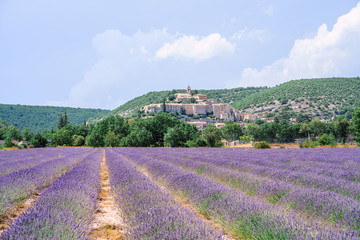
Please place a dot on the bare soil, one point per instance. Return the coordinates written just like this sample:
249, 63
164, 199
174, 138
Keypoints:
108, 222
7, 219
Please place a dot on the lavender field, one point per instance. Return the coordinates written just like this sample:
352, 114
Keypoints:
172, 193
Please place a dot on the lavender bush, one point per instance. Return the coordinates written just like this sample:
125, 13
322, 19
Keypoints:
246, 216
151, 213
64, 210
17, 186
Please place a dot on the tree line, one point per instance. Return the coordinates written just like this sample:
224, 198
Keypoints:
164, 130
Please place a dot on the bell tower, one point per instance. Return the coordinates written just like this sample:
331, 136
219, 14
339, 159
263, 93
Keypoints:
188, 90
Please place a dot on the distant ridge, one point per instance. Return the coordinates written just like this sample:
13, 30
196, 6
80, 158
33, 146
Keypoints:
39, 118
322, 97
318, 97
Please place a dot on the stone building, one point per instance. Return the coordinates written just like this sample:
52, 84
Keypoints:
208, 107
188, 95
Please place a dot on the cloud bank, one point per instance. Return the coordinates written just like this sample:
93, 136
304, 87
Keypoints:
128, 66
196, 48
330, 53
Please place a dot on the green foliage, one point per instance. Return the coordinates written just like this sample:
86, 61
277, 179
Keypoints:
342, 128
261, 145
39, 118
26, 134
3, 123
356, 125
138, 138
317, 95
111, 140
62, 137
13, 134
38, 140
179, 135
212, 136
78, 140
231, 131
326, 139
274, 131
63, 120
8, 142
309, 144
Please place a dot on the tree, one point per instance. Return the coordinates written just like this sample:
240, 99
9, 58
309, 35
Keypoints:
26, 134
78, 140
137, 138
95, 139
231, 131
38, 141
182, 111
341, 128
179, 135
356, 124
158, 127
305, 129
317, 128
63, 120
62, 137
13, 134
192, 100
212, 136
111, 140
164, 106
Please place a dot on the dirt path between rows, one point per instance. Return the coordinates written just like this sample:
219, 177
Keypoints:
9, 217
186, 204
108, 223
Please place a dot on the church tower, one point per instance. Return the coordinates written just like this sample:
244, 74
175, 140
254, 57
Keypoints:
188, 90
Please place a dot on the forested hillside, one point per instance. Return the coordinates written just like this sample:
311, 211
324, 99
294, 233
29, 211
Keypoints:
3, 123
221, 95
319, 97
39, 118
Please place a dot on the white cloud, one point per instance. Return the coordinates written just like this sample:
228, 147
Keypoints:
196, 48
125, 67
119, 59
257, 35
329, 53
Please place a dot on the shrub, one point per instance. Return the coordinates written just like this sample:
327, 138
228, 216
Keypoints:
326, 139
20, 146
8, 142
309, 144
261, 145
1, 147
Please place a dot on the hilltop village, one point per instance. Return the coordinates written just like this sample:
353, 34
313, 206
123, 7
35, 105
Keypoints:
200, 109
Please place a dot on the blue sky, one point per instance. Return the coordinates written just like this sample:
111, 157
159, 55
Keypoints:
100, 54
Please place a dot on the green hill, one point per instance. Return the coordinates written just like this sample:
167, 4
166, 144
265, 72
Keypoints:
323, 97
221, 95
39, 118
3, 123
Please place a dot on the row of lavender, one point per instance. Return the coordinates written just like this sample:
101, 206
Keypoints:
18, 185
29, 158
244, 215
66, 208
327, 205
305, 167
150, 212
